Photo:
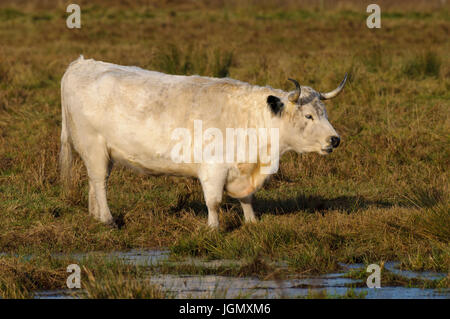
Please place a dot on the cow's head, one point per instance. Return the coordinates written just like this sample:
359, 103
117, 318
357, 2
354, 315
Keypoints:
304, 124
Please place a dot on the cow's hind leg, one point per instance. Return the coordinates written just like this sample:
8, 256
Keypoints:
246, 204
213, 180
98, 166
98, 178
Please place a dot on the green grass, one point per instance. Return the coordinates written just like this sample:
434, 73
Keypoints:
323, 294
389, 279
247, 267
424, 65
21, 277
10, 14
200, 61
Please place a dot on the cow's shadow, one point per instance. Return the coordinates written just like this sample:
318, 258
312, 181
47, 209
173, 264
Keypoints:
315, 204
309, 204
304, 203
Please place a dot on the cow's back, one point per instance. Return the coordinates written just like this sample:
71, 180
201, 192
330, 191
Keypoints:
102, 88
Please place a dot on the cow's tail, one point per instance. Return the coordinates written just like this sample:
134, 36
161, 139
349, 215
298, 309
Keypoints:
65, 154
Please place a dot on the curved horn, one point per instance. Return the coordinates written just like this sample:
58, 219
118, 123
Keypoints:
293, 97
335, 92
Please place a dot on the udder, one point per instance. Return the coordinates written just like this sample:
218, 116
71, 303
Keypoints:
240, 187
244, 180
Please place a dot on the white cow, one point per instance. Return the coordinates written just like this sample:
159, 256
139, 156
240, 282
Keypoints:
113, 113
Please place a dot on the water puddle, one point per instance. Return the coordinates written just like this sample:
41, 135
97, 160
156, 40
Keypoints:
54, 294
133, 257
430, 275
193, 286
232, 287
334, 284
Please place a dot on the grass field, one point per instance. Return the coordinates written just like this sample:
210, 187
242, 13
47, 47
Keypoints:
382, 196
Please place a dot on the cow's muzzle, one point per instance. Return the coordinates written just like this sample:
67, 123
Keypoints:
335, 141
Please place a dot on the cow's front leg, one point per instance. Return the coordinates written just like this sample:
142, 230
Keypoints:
213, 179
246, 204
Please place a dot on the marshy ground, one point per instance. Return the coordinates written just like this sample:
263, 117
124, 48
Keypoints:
382, 196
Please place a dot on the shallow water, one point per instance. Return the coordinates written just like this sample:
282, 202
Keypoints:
231, 287
431, 275
54, 294
133, 257
187, 286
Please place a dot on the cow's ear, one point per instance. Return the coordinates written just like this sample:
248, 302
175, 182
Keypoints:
275, 104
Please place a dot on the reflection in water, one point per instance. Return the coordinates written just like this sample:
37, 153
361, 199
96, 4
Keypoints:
187, 286
231, 287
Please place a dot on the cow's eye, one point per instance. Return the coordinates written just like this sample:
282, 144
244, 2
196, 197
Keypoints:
309, 117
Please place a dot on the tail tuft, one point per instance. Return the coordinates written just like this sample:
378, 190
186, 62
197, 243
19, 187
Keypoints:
65, 154
65, 162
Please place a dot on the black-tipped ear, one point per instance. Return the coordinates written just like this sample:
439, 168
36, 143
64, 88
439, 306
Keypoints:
275, 104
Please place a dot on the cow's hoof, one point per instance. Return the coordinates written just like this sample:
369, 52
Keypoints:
213, 226
110, 222
113, 225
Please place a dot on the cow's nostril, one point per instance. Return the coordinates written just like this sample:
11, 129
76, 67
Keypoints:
335, 140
